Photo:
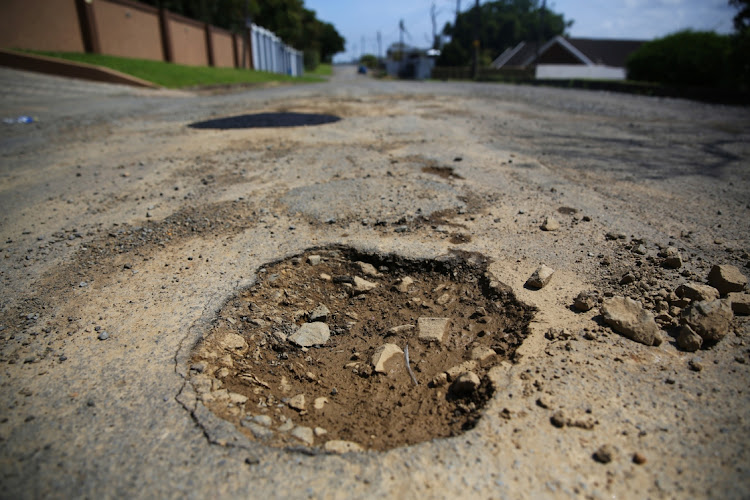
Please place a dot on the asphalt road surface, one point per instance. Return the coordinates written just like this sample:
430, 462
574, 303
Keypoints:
117, 216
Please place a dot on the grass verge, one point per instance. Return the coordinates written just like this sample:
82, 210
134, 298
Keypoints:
178, 75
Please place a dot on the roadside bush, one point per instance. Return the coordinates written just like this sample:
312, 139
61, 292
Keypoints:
691, 58
311, 59
369, 60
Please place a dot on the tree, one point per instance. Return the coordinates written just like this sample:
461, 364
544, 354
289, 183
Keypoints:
504, 23
739, 57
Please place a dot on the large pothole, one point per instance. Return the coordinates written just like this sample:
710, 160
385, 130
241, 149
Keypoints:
314, 353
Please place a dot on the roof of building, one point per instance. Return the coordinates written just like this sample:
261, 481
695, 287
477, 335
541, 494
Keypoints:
588, 51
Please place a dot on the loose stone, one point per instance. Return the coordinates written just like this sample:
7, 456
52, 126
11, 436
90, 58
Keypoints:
263, 420
304, 434
672, 258
313, 260
310, 334
605, 454
480, 353
320, 313
232, 342
628, 318
550, 224
727, 279
740, 303
339, 446
585, 301
541, 277
297, 402
432, 329
362, 285
404, 283
697, 291
368, 269
710, 320
320, 403
688, 340
465, 384
383, 354
259, 431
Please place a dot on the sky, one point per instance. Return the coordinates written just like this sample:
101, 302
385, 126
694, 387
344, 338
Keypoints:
359, 21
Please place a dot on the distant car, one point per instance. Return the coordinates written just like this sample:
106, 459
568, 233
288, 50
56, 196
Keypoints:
362, 69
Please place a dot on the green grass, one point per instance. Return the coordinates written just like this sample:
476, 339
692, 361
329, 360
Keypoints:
177, 75
323, 70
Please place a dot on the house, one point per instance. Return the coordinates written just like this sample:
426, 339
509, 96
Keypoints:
410, 62
568, 58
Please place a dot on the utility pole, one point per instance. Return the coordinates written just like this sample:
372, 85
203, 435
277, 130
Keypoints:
433, 16
540, 35
380, 47
475, 58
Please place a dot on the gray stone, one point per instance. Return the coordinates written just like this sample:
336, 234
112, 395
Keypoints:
383, 354
628, 318
727, 279
585, 301
103, 335
304, 434
339, 446
432, 329
550, 224
314, 260
710, 320
263, 420
310, 334
697, 291
688, 340
465, 384
605, 454
541, 277
320, 313
740, 303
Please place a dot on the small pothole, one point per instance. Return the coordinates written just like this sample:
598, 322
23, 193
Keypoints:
346, 386
266, 120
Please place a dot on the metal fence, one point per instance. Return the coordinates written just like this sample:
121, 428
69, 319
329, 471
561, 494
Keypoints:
270, 53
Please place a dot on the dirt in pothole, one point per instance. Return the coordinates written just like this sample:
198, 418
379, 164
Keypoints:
250, 371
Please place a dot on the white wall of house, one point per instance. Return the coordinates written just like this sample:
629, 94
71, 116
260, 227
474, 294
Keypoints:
570, 71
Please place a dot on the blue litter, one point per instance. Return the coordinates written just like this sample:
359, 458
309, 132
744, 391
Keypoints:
20, 119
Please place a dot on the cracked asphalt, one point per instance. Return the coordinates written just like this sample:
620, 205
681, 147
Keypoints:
118, 217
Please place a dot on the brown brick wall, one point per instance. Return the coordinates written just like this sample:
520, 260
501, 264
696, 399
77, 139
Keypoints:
188, 41
40, 25
128, 31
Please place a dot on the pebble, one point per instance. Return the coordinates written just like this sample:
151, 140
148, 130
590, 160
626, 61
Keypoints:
320, 403
297, 402
710, 320
432, 329
727, 279
465, 384
319, 431
697, 291
383, 354
638, 458
628, 318
320, 313
672, 258
368, 269
286, 426
103, 335
232, 342
304, 434
199, 367
404, 283
480, 353
695, 365
313, 260
443, 299
439, 380
541, 277
455, 371
740, 303
310, 334
400, 329
550, 224
363, 286
605, 454
263, 420
558, 419
585, 301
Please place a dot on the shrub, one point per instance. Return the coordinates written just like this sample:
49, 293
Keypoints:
684, 58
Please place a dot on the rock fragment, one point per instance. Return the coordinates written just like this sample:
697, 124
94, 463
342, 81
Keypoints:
541, 277
550, 224
585, 301
688, 340
404, 284
605, 454
232, 342
432, 329
320, 403
697, 291
383, 354
480, 353
672, 258
740, 303
727, 279
368, 269
710, 320
320, 313
467, 366
297, 402
628, 318
310, 334
465, 384
362, 285
313, 260
259, 431
304, 434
